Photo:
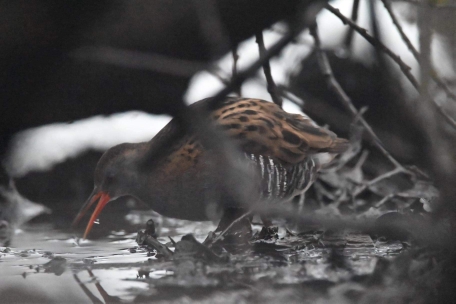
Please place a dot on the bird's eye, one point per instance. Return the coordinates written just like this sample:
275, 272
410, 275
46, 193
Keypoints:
110, 177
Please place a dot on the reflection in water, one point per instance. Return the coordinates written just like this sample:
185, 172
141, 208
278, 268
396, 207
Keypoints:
54, 265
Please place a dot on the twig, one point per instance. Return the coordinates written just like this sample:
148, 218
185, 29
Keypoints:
291, 97
222, 79
404, 67
234, 68
272, 88
298, 40
400, 30
144, 239
362, 159
250, 71
360, 114
346, 101
220, 236
379, 178
363, 32
354, 17
384, 200
415, 53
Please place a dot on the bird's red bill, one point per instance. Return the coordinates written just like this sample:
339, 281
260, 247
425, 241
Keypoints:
102, 198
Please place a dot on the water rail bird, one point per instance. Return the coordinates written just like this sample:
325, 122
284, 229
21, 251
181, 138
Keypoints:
286, 151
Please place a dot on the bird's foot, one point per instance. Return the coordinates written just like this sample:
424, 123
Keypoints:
233, 230
268, 233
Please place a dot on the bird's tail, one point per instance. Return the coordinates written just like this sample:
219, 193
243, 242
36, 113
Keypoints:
339, 145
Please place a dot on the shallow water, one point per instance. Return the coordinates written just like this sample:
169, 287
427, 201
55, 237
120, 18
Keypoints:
115, 269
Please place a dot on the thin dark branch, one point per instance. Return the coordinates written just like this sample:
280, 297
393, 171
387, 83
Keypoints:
250, 71
354, 16
272, 88
234, 52
216, 73
404, 67
290, 96
345, 100
415, 53
363, 32
404, 37
379, 178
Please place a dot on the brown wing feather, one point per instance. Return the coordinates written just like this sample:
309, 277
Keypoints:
184, 155
262, 127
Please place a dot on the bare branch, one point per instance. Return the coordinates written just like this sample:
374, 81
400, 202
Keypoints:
354, 17
415, 53
272, 88
379, 178
250, 71
216, 74
363, 32
400, 30
234, 68
404, 67
346, 101
291, 97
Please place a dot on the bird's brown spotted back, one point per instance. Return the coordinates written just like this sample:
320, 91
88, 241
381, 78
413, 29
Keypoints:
186, 155
260, 128
263, 128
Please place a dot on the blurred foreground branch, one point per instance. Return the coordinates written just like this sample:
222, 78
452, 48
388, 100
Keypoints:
440, 154
422, 229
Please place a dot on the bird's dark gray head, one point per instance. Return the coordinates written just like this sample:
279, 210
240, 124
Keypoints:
116, 170
116, 175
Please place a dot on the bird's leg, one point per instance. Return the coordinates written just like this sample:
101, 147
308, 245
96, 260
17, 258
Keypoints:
234, 228
266, 221
268, 231
229, 216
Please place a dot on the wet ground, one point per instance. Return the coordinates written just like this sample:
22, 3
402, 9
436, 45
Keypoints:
49, 265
